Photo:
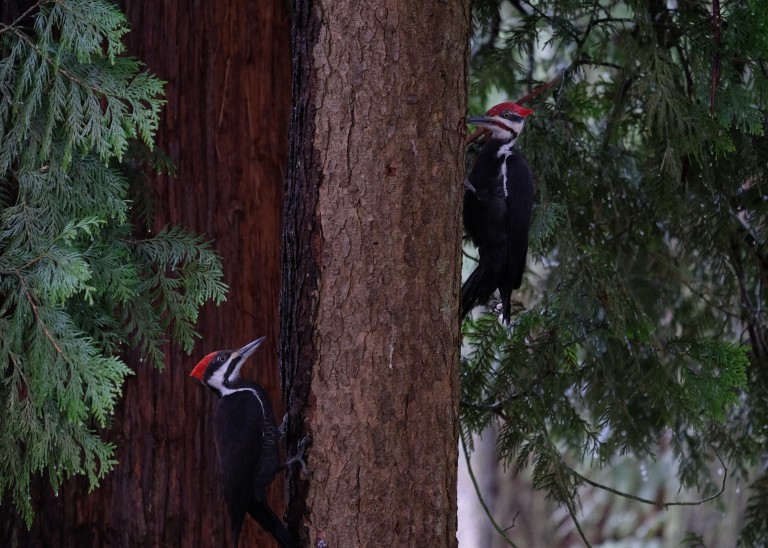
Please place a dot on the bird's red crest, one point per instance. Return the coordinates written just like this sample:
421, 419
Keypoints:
202, 365
501, 107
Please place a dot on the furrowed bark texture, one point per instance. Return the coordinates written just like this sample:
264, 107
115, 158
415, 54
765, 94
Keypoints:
225, 126
371, 268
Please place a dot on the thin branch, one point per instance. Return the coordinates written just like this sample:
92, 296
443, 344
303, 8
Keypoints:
751, 240
541, 89
468, 256
32, 303
562, 482
23, 390
496, 409
602, 20
572, 512
514, 520
476, 135
488, 45
496, 526
678, 275
31, 262
754, 325
586, 60
58, 68
519, 7
551, 21
4, 27
579, 59
665, 505
583, 40
686, 70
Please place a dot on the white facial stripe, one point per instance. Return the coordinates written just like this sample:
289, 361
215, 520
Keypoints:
234, 368
500, 133
217, 378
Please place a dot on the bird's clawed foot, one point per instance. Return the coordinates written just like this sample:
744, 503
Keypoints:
283, 427
299, 456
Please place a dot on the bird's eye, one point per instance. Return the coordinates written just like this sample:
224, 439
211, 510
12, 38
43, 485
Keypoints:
506, 114
221, 358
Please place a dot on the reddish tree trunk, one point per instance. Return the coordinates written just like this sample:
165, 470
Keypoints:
227, 65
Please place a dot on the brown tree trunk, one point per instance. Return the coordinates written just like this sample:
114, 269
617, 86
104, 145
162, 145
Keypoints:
371, 267
226, 127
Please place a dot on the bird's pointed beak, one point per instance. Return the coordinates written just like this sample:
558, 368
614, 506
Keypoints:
239, 356
244, 352
481, 121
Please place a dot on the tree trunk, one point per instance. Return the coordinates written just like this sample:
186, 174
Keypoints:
226, 128
371, 266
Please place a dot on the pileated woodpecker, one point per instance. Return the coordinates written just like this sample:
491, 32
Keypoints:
246, 440
498, 199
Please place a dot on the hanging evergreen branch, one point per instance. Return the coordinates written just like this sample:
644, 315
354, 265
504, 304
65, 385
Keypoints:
642, 323
77, 288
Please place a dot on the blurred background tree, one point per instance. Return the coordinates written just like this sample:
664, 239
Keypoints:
639, 356
92, 285
81, 277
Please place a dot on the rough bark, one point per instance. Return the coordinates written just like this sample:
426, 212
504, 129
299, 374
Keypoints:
371, 267
225, 126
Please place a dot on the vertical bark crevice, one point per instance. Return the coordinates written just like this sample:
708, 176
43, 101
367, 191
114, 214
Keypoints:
300, 249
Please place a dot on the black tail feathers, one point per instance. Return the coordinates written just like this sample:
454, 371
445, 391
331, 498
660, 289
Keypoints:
477, 289
273, 524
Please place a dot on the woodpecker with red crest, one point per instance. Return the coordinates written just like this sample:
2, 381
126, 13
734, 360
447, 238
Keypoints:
498, 199
246, 440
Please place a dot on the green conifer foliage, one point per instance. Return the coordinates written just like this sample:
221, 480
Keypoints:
77, 286
644, 314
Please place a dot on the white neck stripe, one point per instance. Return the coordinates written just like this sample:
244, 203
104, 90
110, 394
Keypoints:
505, 151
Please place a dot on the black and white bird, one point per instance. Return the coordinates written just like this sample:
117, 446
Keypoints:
498, 200
246, 440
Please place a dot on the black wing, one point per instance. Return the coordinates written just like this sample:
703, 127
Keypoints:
485, 214
519, 201
239, 429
